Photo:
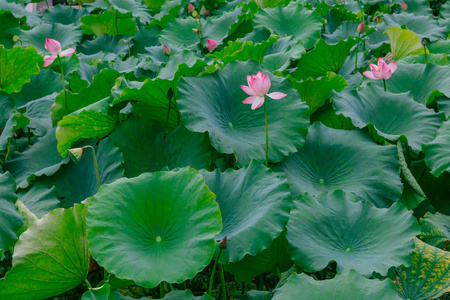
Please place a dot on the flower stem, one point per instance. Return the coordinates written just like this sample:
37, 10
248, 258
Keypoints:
278, 272
356, 56
425, 52
95, 164
87, 283
267, 135
384, 83
168, 112
162, 291
63, 82
222, 280
211, 279
129, 50
48, 6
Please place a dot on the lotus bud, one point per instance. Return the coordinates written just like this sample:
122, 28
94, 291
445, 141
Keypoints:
203, 10
212, 44
424, 42
15, 38
195, 14
166, 50
191, 8
75, 154
223, 243
207, 13
374, 19
361, 28
123, 42
404, 6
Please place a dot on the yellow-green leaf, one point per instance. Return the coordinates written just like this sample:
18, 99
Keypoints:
435, 229
404, 42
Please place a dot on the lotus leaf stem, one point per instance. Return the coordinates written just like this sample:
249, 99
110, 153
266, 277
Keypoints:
222, 280
87, 283
95, 164
211, 279
267, 136
162, 290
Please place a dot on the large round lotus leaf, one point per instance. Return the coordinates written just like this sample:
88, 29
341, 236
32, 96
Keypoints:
342, 287
418, 7
356, 235
66, 15
148, 149
423, 26
391, 115
160, 220
276, 256
437, 152
435, 229
10, 218
403, 42
255, 205
213, 103
50, 258
185, 295
292, 20
428, 276
334, 159
68, 35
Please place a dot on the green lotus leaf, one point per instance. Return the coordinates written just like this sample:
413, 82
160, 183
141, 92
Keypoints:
93, 121
316, 91
185, 295
38, 112
437, 151
29, 217
15, 121
342, 287
99, 88
39, 199
378, 40
9, 27
343, 160
169, 10
74, 183
6, 107
256, 295
440, 46
185, 63
323, 59
179, 31
68, 35
390, 115
404, 42
19, 11
273, 259
346, 29
439, 59
241, 50
418, 7
107, 44
50, 258
137, 8
250, 198
423, 26
428, 276
356, 235
213, 103
278, 57
10, 218
292, 20
39, 87
147, 149
153, 100
17, 65
166, 219
108, 23
66, 15
435, 229
42, 158
105, 292
434, 81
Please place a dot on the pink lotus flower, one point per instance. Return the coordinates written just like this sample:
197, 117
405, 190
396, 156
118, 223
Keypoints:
361, 28
191, 8
212, 44
55, 48
404, 6
258, 86
381, 71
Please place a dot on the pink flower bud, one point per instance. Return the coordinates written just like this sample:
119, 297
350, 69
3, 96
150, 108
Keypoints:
223, 243
361, 28
207, 13
191, 8
212, 44
166, 50
404, 6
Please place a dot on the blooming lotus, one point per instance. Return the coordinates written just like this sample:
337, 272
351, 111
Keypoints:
258, 87
404, 6
212, 44
381, 71
55, 49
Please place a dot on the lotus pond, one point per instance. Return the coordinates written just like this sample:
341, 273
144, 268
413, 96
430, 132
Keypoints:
212, 149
